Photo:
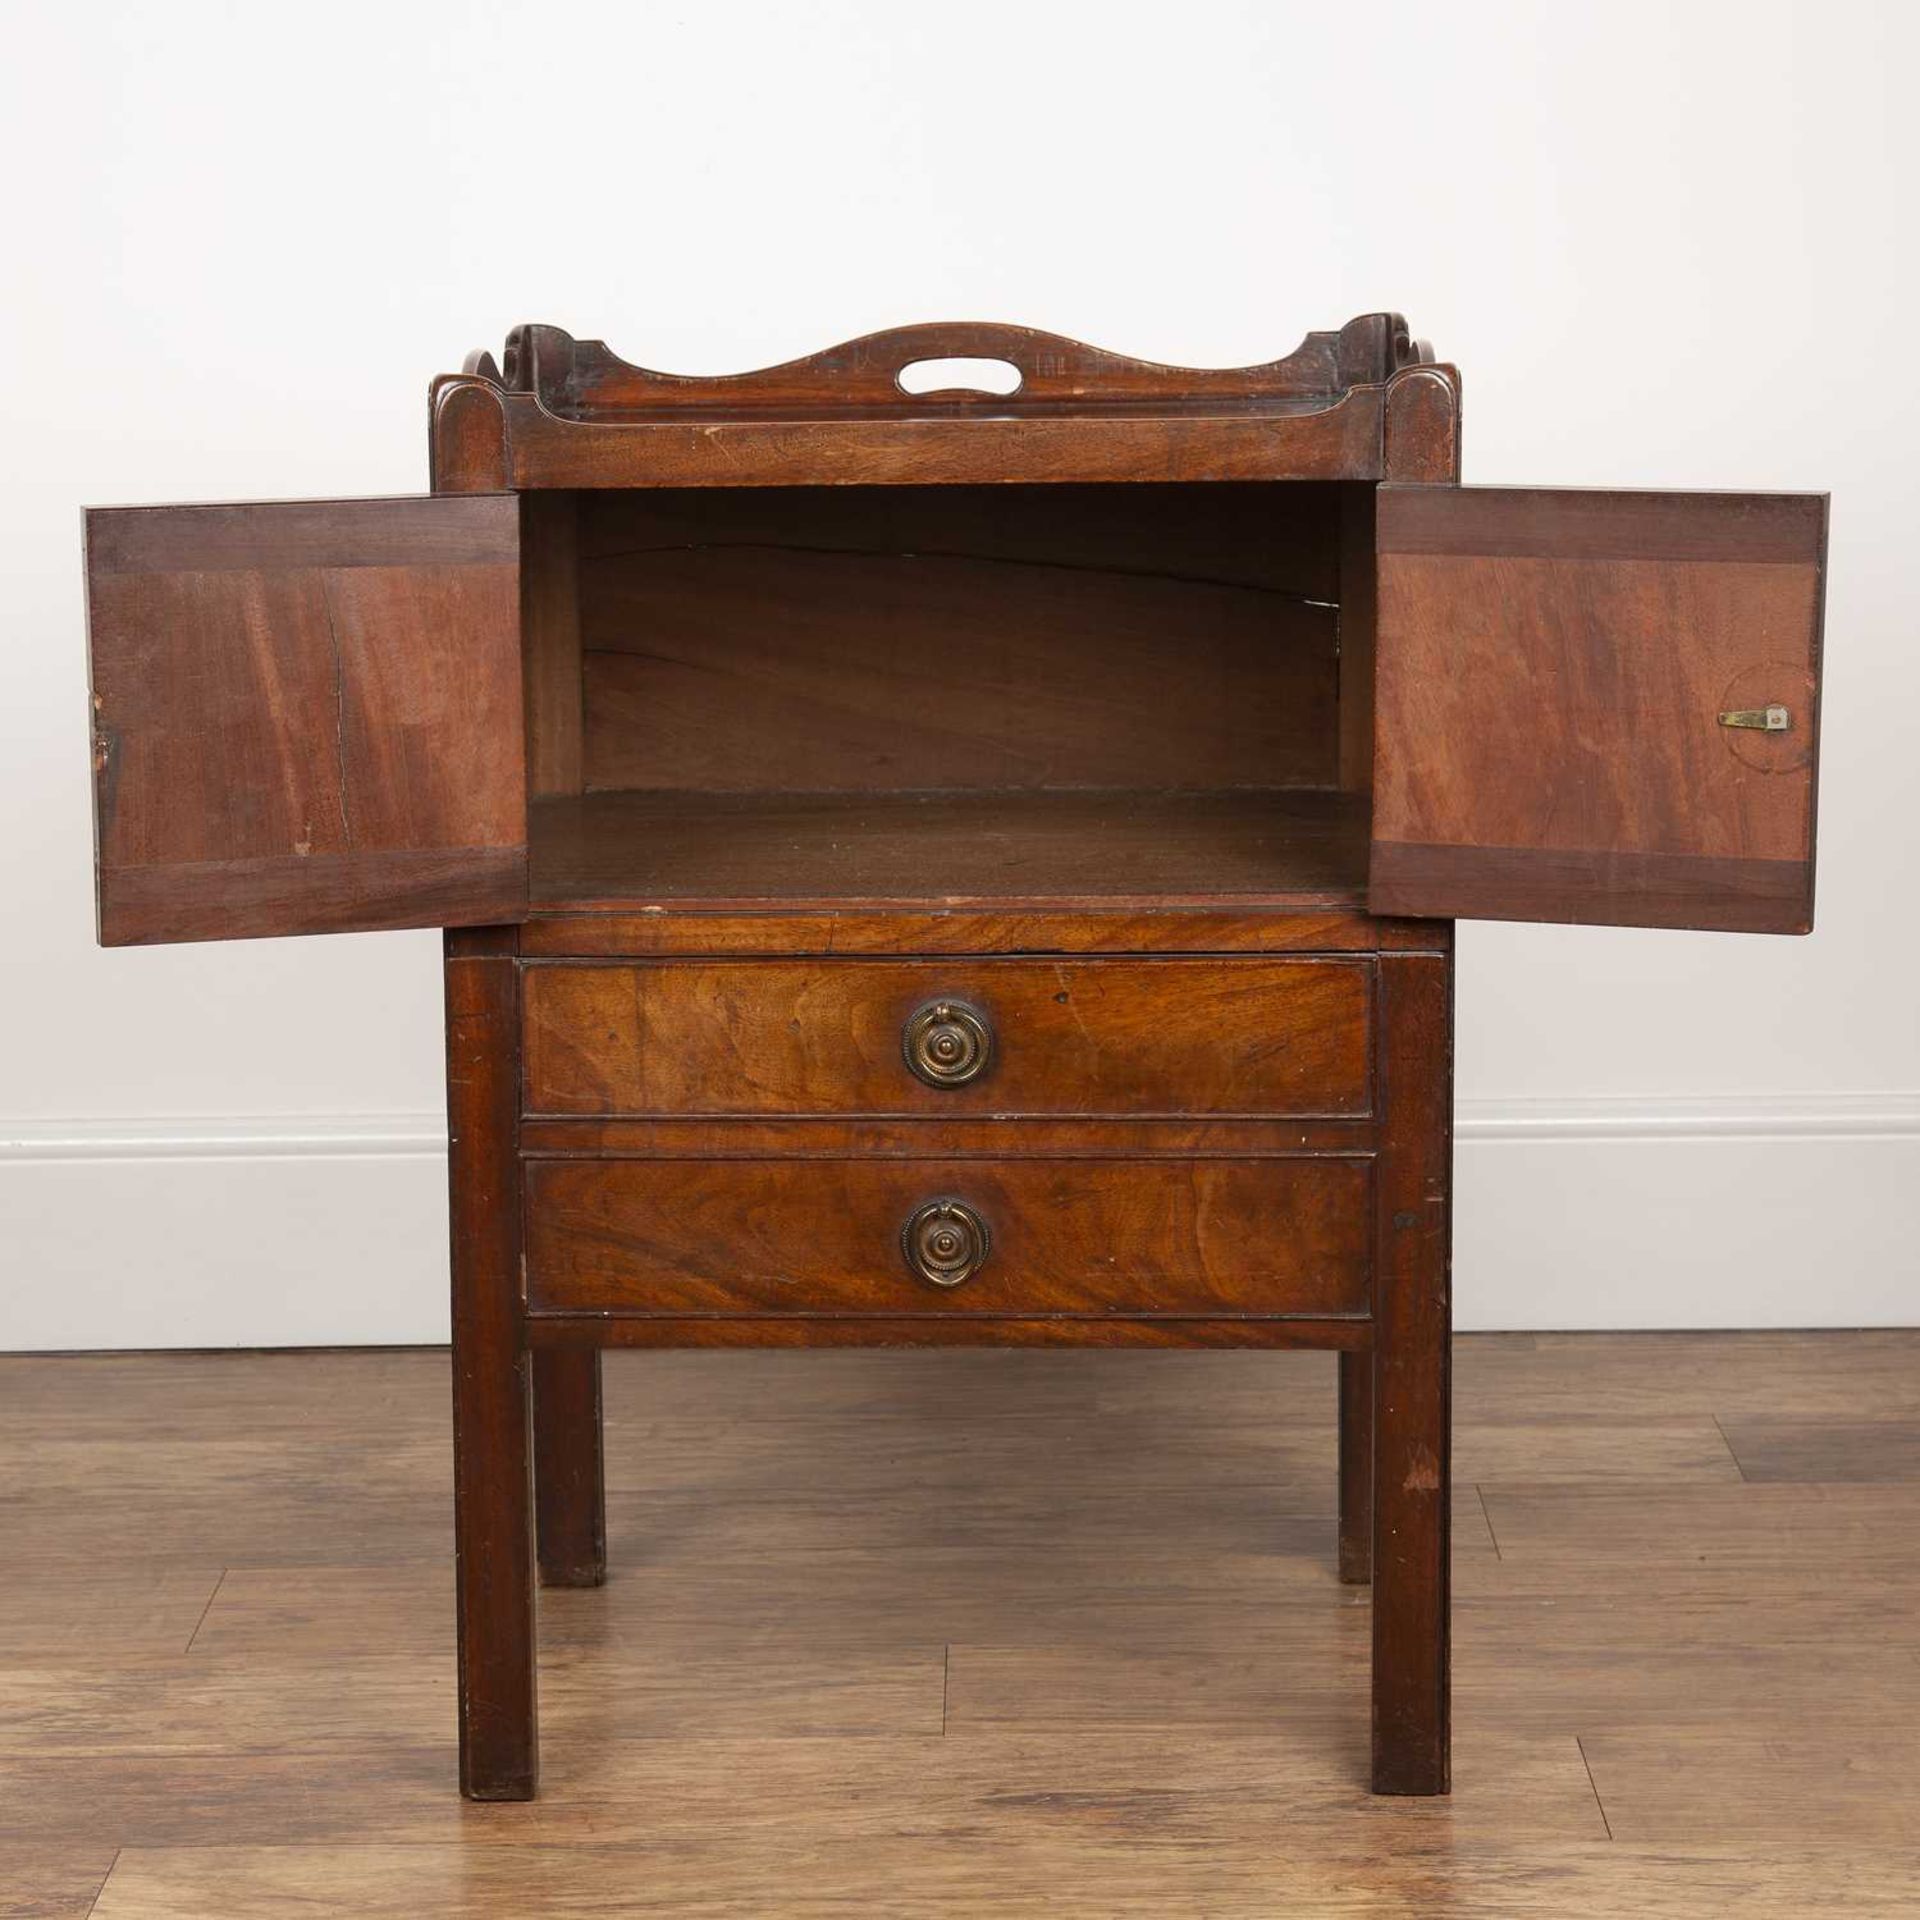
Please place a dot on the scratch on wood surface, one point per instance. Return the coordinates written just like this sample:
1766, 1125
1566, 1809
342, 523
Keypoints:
106, 771
1423, 1475
1065, 998
339, 716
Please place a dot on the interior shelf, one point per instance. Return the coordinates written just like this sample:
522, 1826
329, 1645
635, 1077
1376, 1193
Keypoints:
625, 850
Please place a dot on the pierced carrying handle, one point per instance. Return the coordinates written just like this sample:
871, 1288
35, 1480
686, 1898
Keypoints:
963, 363
1047, 371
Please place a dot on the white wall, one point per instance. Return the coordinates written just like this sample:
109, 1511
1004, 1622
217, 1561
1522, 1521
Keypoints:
1670, 246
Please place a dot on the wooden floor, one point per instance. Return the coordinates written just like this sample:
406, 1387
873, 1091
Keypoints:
970, 1633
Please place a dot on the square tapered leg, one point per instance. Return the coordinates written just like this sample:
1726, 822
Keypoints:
1356, 1468
569, 1483
492, 1478
1411, 1380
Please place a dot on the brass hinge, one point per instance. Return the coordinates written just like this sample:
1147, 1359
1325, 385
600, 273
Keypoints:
1760, 719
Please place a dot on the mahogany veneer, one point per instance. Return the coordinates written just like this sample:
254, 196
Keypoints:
1186, 1238
1181, 1037
951, 869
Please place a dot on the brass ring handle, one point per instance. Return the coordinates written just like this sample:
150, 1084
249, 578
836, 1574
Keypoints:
945, 1242
947, 1043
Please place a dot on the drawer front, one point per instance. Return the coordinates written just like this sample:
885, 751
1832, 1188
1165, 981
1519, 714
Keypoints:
1196, 1237
993, 1037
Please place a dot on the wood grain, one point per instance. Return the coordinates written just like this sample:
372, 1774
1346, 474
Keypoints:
1202, 1238
1153, 1689
1358, 620
621, 851
1277, 536
1848, 1531
492, 1454
1079, 1138
1659, 1784
1551, 671
933, 637
78, 1609
580, 417
1356, 1468
583, 377
467, 442
1597, 887
1825, 1451
1188, 1789
1221, 928
730, 668
812, 1038
953, 1872
360, 1704
1743, 1376
746, 1332
1412, 1381
550, 641
1420, 426
45, 1880
306, 716
347, 892
1285, 439
569, 1474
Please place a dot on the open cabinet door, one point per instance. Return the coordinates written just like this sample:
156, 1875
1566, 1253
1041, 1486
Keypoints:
307, 717
1597, 707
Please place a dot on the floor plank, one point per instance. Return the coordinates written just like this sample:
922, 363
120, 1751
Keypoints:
1816, 1451
45, 1880
1821, 1533
1503, 1606
1831, 1777
155, 1398
1169, 1786
1320, 1671
115, 1607
825, 1598
1655, 1375
1386, 1874
199, 1705
949, 1633
1669, 1452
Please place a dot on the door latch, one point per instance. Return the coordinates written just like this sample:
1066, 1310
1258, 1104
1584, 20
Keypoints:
1760, 719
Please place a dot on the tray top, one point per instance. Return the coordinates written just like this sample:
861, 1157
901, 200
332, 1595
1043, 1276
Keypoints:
554, 411
583, 380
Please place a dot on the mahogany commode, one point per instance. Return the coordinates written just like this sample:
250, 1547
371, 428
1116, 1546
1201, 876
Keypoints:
951, 868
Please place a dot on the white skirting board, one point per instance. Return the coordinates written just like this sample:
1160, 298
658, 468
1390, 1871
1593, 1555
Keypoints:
284, 1232
1796, 1211
1793, 1211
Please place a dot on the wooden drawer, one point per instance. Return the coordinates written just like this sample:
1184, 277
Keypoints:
1085, 1237
1156, 1037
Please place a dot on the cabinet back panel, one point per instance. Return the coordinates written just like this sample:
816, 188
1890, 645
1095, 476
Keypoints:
871, 639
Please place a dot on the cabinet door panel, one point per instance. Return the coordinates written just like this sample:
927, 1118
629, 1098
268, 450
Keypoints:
1553, 669
307, 717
